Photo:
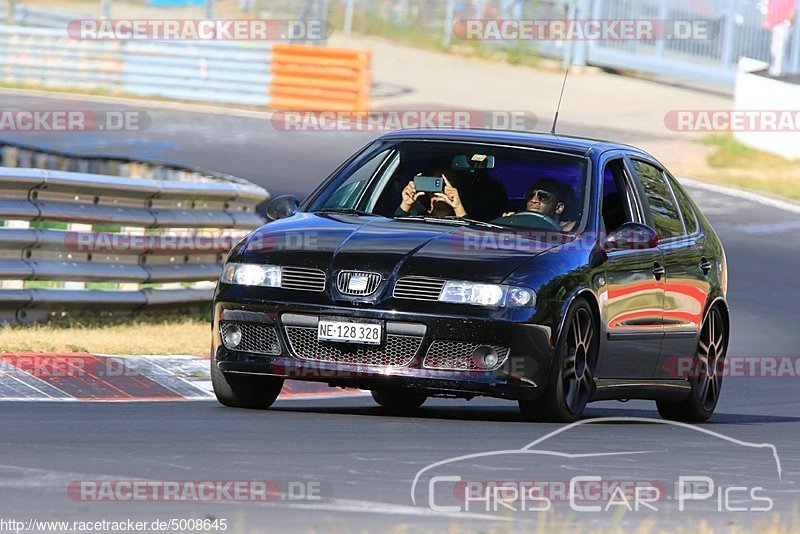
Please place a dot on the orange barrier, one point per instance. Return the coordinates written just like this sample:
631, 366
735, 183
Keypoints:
318, 78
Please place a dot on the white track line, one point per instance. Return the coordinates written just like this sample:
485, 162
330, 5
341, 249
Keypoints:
743, 194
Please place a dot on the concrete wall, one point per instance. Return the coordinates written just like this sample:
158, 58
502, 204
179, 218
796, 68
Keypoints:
756, 92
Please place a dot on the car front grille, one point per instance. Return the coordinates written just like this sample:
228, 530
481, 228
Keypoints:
397, 350
418, 288
256, 338
302, 278
457, 355
369, 283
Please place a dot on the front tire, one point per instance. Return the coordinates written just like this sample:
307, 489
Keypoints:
245, 391
571, 382
706, 380
399, 401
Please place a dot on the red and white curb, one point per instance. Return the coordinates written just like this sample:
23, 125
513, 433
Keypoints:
96, 377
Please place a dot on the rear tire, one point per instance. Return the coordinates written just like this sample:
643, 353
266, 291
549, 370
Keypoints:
245, 391
707, 371
571, 382
399, 401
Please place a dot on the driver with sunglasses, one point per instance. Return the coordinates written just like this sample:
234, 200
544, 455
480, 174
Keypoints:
547, 197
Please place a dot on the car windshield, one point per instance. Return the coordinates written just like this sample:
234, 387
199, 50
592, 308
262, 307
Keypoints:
462, 183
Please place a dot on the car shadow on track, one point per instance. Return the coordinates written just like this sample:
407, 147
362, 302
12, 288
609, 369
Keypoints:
510, 414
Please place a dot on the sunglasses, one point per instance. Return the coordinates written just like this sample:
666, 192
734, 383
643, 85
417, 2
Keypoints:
544, 196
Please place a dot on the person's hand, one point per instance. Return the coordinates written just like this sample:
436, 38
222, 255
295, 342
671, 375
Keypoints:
508, 214
410, 195
452, 198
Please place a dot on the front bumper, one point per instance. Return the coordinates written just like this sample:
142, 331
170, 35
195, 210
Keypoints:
521, 375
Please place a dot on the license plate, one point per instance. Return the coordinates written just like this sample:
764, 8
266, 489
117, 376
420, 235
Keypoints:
343, 332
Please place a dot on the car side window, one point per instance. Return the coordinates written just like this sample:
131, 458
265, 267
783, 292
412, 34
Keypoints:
685, 205
616, 208
666, 219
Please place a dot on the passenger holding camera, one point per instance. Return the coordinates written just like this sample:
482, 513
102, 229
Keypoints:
444, 204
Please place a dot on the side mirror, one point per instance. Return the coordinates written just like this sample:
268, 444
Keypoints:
632, 236
282, 207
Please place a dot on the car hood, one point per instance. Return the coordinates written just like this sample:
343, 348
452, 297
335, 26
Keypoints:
394, 248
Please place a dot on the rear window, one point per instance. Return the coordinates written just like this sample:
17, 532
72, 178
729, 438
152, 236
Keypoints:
666, 220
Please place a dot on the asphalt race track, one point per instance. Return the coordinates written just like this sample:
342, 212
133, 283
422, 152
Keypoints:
364, 462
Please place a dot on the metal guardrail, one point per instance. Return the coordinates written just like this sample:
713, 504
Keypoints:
231, 72
228, 72
31, 16
115, 244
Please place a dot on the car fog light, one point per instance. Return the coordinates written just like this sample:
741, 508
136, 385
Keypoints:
232, 336
485, 357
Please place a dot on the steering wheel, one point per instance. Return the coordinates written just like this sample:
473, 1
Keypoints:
525, 218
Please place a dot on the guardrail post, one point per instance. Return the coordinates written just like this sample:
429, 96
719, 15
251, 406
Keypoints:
77, 227
663, 11
569, 45
726, 57
580, 51
596, 14
131, 231
448, 23
795, 59
348, 17
14, 284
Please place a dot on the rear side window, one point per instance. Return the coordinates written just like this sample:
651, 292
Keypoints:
689, 218
666, 220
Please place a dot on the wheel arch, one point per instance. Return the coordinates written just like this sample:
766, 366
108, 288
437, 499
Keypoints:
594, 304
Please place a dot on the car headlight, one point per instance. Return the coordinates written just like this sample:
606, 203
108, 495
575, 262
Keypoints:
251, 274
487, 294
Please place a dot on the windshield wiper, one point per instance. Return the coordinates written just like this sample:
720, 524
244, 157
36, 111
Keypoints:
346, 211
474, 221
463, 221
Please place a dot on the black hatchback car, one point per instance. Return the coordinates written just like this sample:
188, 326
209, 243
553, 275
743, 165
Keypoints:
550, 270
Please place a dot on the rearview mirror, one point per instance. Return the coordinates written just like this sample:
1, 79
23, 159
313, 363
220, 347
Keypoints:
473, 162
632, 236
281, 207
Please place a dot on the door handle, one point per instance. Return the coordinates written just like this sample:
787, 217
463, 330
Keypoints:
658, 271
705, 265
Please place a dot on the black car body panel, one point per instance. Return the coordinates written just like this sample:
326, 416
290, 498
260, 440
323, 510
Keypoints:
644, 322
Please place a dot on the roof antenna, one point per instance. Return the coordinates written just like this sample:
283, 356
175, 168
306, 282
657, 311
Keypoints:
563, 84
